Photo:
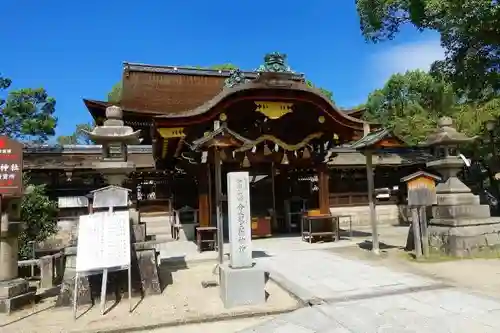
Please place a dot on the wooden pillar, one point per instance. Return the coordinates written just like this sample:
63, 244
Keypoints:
203, 197
324, 189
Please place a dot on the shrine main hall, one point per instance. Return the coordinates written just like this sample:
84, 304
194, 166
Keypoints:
301, 150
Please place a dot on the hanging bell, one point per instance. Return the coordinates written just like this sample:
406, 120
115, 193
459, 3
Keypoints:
285, 159
267, 151
246, 162
306, 154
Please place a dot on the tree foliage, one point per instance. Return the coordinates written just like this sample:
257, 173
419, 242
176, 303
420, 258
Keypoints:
78, 137
411, 103
40, 215
469, 30
27, 114
115, 95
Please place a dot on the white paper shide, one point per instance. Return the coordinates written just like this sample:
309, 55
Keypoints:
240, 233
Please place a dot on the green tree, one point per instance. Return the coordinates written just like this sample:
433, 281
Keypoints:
226, 66
40, 215
78, 137
27, 114
411, 103
469, 30
115, 95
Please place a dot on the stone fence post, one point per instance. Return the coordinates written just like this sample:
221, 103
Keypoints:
46, 271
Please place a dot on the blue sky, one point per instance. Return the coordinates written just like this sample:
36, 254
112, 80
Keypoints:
75, 49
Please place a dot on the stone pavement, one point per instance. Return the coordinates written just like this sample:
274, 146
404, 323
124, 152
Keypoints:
355, 297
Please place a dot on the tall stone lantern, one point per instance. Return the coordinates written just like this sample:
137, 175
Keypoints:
114, 137
460, 225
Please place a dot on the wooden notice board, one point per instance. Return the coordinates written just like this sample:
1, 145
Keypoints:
421, 188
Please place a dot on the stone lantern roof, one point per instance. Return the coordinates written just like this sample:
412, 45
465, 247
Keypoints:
447, 135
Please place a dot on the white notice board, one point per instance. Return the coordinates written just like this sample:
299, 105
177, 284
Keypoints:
103, 241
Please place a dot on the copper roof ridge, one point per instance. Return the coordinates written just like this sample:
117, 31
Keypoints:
170, 69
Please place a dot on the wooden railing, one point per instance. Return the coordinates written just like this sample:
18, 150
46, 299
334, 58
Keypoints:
48, 269
356, 199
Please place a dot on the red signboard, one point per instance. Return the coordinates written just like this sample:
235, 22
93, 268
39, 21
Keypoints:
11, 167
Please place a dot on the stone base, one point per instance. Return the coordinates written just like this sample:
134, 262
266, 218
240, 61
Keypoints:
386, 214
65, 297
463, 241
243, 286
15, 294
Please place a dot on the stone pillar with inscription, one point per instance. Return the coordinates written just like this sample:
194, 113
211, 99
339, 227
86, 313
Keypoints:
241, 283
14, 291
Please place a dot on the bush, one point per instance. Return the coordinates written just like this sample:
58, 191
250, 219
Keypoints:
40, 215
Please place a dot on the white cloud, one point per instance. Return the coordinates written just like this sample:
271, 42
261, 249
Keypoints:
408, 56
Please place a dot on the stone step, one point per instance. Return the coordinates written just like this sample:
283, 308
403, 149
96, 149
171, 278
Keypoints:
153, 224
158, 230
163, 237
153, 219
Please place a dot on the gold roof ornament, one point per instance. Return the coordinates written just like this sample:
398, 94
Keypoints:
273, 110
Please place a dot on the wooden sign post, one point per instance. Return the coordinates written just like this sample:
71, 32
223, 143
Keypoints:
104, 241
421, 193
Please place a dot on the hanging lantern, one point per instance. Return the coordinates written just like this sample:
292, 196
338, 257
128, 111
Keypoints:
295, 153
246, 162
223, 155
267, 151
284, 161
306, 153
254, 149
276, 147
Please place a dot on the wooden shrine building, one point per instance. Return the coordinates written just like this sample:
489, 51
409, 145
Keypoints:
297, 145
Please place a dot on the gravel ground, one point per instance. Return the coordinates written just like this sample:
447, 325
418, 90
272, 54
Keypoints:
183, 300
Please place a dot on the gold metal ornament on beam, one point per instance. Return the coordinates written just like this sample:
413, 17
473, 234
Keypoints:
321, 119
273, 110
246, 162
223, 117
168, 133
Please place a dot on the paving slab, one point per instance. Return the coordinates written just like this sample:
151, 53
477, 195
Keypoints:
442, 311
357, 297
316, 274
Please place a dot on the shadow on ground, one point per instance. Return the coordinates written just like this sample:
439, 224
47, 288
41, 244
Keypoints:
368, 246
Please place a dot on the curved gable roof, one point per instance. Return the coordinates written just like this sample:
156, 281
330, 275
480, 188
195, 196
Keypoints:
268, 81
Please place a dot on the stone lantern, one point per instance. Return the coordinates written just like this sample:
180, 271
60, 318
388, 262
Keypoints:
460, 225
114, 137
